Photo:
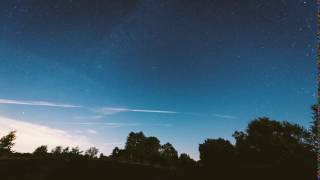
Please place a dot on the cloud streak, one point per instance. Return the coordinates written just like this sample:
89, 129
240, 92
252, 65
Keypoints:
37, 103
110, 124
99, 110
100, 124
103, 111
87, 117
112, 110
224, 116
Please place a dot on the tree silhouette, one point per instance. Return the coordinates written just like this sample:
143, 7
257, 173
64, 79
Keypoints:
186, 161
151, 147
41, 151
216, 152
119, 154
115, 152
57, 150
76, 151
168, 153
103, 157
7, 142
65, 150
276, 150
92, 152
275, 143
135, 146
140, 148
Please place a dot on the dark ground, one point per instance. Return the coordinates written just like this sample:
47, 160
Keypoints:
36, 169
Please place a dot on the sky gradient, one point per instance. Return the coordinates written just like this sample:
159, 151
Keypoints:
182, 71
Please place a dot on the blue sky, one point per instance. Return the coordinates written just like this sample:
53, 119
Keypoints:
180, 71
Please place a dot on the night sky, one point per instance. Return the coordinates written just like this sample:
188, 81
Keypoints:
179, 70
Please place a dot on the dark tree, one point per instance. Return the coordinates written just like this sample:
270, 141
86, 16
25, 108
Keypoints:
75, 151
134, 140
281, 146
134, 147
41, 151
151, 145
57, 150
269, 141
216, 152
119, 154
151, 148
65, 150
7, 142
103, 157
115, 152
140, 148
168, 153
92, 152
186, 161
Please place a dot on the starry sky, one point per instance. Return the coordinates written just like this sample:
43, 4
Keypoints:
182, 71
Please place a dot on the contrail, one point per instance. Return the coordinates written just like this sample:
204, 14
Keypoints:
37, 103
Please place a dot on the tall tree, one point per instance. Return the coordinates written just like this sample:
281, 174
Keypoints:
134, 147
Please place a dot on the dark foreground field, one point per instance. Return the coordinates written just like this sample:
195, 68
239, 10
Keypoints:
32, 169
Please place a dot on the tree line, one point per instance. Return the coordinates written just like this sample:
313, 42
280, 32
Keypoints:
265, 143
138, 149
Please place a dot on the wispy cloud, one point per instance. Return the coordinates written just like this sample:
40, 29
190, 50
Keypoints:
87, 117
32, 135
108, 125
92, 131
103, 111
100, 124
37, 103
224, 116
162, 125
113, 110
